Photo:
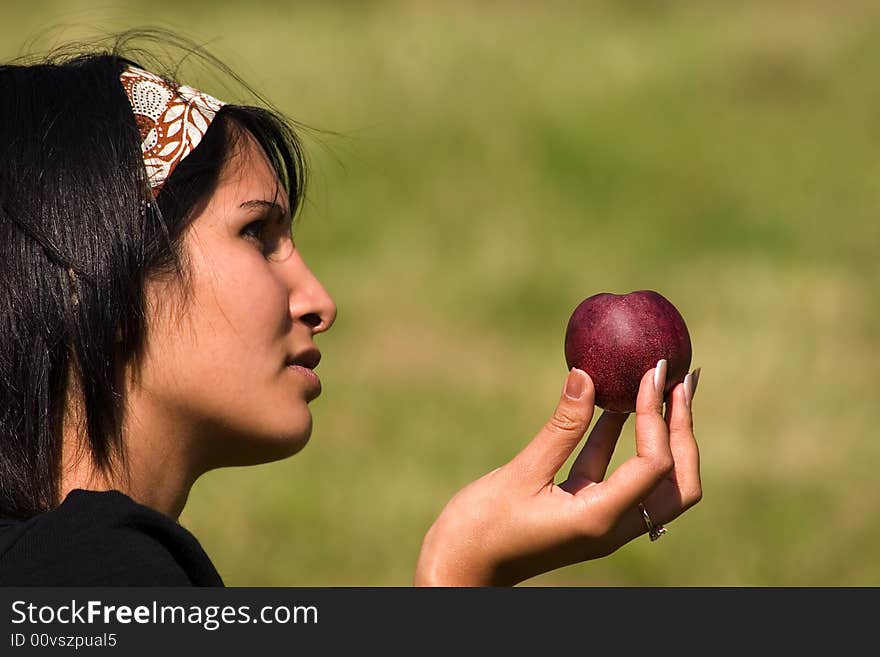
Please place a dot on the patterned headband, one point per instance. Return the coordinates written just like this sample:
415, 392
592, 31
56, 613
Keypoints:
171, 120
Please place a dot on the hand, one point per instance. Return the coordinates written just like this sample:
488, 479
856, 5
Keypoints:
515, 522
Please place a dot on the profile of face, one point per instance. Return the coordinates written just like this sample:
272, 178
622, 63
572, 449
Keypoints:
216, 381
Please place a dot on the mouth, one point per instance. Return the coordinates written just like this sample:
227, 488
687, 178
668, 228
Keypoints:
308, 358
303, 367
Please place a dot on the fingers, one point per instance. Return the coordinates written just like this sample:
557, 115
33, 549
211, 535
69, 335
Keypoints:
637, 476
593, 460
541, 459
665, 503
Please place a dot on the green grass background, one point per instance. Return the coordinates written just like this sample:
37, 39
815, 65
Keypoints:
495, 163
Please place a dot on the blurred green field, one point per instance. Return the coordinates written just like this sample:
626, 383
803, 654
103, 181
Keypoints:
494, 164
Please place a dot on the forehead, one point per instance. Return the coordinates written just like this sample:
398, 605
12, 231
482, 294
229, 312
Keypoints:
247, 175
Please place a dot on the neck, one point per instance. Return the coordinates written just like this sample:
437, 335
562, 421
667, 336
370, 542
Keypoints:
155, 472
158, 486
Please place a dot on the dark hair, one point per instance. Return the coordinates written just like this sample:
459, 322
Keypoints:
80, 234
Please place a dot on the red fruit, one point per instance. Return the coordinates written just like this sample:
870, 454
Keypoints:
616, 338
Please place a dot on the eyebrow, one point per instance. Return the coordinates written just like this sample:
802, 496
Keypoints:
262, 204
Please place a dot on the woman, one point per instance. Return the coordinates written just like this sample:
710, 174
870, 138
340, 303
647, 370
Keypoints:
158, 321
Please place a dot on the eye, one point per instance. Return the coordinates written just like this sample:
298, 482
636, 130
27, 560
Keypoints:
273, 244
254, 230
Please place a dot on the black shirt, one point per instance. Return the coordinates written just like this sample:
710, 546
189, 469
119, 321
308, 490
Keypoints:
102, 539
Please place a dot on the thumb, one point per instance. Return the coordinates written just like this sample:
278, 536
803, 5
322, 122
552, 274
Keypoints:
542, 458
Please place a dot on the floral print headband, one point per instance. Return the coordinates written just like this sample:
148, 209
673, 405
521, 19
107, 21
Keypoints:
171, 119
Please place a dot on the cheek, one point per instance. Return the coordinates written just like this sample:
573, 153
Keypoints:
226, 349
245, 299
239, 320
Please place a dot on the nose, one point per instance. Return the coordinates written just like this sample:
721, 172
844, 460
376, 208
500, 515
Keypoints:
309, 301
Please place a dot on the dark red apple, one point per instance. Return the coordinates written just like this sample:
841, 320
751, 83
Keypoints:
616, 338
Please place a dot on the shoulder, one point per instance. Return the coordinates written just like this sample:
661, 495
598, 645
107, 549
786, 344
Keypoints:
102, 539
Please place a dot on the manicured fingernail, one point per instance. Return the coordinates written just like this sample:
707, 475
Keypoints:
688, 389
660, 377
575, 384
690, 386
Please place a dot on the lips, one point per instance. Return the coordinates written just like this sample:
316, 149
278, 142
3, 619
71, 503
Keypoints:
303, 365
308, 358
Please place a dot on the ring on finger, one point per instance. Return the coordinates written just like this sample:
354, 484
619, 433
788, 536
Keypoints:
654, 531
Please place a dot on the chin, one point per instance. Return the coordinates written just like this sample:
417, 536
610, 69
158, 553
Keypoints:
285, 443
265, 447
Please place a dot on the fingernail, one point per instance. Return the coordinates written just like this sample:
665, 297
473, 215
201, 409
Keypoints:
660, 377
690, 386
575, 384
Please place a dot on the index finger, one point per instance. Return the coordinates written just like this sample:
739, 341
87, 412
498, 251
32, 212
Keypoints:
631, 482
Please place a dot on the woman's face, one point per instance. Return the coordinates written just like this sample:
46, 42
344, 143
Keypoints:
217, 378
